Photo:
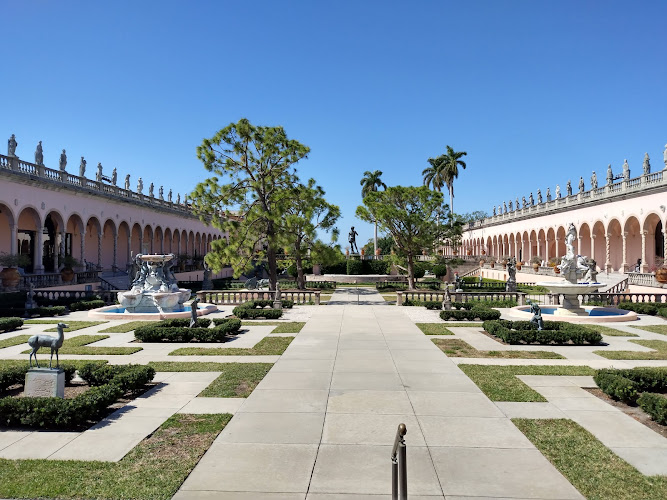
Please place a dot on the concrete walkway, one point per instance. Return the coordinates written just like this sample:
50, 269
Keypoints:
321, 423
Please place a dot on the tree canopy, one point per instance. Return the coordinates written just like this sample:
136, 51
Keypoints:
256, 164
410, 215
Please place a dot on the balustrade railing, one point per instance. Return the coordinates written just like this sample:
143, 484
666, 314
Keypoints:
643, 279
74, 295
432, 295
236, 297
613, 299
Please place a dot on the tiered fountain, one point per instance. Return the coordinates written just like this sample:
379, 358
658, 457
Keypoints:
574, 268
154, 293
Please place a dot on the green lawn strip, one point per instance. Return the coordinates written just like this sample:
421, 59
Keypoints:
499, 383
661, 329
268, 346
153, 470
612, 332
16, 340
434, 329
128, 327
72, 325
281, 326
460, 349
590, 466
660, 352
237, 380
79, 345
78, 363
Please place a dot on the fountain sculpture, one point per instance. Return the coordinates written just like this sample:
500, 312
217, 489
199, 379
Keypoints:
154, 289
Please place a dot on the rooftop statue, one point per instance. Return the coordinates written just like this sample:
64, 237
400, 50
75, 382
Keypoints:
150, 190
539, 197
626, 171
169, 196
127, 182
647, 164
568, 188
510, 205
517, 203
548, 194
39, 154
594, 181
140, 185
82, 167
494, 210
524, 202
610, 175
582, 186
98, 176
531, 200
557, 191
63, 161
664, 156
11, 146
114, 176
178, 199
504, 207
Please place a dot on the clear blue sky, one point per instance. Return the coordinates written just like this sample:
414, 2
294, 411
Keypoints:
535, 92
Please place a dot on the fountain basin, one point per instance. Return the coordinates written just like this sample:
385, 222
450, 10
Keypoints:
593, 314
118, 312
567, 288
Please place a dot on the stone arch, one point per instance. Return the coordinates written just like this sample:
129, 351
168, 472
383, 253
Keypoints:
654, 244
76, 237
614, 245
488, 245
53, 241
124, 245
584, 240
147, 246
29, 237
511, 242
8, 238
184, 242
632, 245
598, 244
167, 241
109, 245
93, 245
542, 245
191, 244
551, 247
158, 240
524, 248
560, 242
136, 243
533, 244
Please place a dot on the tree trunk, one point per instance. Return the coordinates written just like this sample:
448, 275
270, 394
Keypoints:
375, 250
300, 278
411, 273
271, 256
451, 205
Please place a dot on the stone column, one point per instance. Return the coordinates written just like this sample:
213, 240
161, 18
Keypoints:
578, 251
664, 232
14, 239
38, 267
99, 249
607, 264
115, 249
546, 249
61, 249
83, 248
592, 256
516, 249
624, 262
141, 243
129, 249
643, 266
162, 244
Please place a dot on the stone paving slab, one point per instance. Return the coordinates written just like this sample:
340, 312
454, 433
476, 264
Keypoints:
513, 409
212, 405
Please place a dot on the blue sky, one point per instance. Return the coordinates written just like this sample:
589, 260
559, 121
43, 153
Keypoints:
535, 92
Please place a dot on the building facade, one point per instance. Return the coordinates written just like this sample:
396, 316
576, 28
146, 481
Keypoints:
47, 214
621, 224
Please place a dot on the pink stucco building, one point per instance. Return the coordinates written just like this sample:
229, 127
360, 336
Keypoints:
47, 213
617, 224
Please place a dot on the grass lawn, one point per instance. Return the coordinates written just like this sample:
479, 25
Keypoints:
79, 345
18, 339
128, 327
499, 383
434, 329
460, 349
237, 380
268, 346
590, 466
153, 470
660, 352
612, 332
662, 329
281, 326
73, 325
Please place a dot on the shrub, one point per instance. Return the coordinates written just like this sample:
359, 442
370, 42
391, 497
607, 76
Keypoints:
655, 405
337, 268
378, 266
255, 309
481, 313
428, 304
130, 378
15, 375
47, 311
524, 332
625, 385
154, 333
184, 322
10, 324
228, 325
86, 305
662, 312
354, 266
440, 270
639, 307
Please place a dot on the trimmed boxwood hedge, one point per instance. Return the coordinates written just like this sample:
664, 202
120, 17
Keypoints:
130, 378
645, 308
655, 405
15, 375
86, 305
46, 311
256, 309
626, 385
177, 330
478, 312
57, 413
10, 324
555, 332
185, 322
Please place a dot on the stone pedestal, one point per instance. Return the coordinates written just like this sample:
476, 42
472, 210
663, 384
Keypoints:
277, 304
45, 383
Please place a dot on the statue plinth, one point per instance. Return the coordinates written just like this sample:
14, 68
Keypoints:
45, 383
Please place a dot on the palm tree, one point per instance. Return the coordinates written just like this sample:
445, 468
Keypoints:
434, 175
451, 164
371, 182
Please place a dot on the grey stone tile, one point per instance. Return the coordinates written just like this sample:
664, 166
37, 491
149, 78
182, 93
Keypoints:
426, 366
303, 365
235, 467
366, 470
563, 392
453, 404
7, 438
617, 430
274, 428
349, 381
365, 365
648, 461
582, 404
529, 410
295, 380
493, 472
38, 445
380, 402
285, 401
369, 429
546, 380
347, 496
472, 432
235, 495
349, 344
439, 382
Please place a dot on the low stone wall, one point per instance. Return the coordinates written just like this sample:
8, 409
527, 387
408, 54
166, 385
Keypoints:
236, 297
432, 295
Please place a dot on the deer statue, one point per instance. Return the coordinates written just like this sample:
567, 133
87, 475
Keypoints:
55, 343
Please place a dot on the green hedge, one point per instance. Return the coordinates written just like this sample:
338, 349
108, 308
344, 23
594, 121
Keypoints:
440, 270
655, 405
86, 305
10, 324
46, 311
555, 332
156, 333
185, 322
130, 378
626, 385
57, 413
481, 313
428, 304
645, 308
355, 266
15, 375
256, 309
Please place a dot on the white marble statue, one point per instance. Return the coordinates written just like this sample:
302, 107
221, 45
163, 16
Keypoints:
150, 190
98, 176
12, 144
161, 193
557, 191
626, 171
646, 164
594, 181
114, 176
610, 175
169, 196
140, 185
82, 167
62, 163
664, 156
39, 154
127, 182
